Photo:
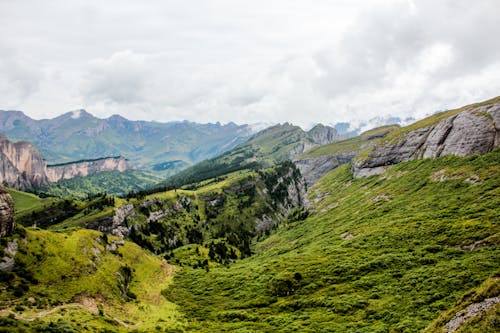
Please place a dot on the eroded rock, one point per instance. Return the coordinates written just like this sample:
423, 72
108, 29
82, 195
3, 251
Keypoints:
470, 132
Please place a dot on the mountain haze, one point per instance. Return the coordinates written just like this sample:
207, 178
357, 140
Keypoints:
79, 135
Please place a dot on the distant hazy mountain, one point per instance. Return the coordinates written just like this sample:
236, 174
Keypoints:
79, 135
266, 148
349, 129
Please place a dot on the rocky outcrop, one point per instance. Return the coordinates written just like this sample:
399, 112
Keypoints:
322, 135
319, 161
21, 165
7, 221
58, 172
117, 224
473, 310
475, 130
313, 168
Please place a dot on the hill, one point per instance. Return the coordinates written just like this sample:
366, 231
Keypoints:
268, 147
385, 253
83, 281
411, 247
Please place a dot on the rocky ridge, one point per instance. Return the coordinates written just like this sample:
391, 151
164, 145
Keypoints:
313, 168
472, 130
7, 221
23, 167
319, 161
84, 168
21, 164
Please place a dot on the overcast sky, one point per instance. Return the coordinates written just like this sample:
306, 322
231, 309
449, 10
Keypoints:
248, 61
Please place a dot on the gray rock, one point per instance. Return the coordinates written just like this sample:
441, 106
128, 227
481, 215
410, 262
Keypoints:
7, 263
469, 312
472, 131
115, 225
7, 221
313, 168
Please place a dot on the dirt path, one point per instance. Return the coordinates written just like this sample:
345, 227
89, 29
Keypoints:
44, 313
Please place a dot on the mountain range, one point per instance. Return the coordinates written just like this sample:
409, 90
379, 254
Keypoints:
394, 230
163, 147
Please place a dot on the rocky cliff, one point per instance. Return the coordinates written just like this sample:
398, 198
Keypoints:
313, 168
7, 222
87, 167
473, 129
320, 160
21, 165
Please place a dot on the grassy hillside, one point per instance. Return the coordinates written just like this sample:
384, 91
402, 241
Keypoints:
27, 202
112, 182
387, 253
271, 146
351, 144
62, 214
69, 282
217, 220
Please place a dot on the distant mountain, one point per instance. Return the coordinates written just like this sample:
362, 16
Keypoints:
23, 167
349, 129
264, 149
79, 135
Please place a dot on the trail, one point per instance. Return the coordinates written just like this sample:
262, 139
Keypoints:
41, 314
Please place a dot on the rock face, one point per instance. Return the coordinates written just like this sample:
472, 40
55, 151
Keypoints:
473, 131
21, 165
84, 168
313, 168
7, 221
322, 135
116, 225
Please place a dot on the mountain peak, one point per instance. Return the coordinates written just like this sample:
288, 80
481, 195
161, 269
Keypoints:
76, 114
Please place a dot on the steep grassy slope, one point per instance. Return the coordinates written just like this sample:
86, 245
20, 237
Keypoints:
27, 202
83, 281
219, 218
387, 253
271, 146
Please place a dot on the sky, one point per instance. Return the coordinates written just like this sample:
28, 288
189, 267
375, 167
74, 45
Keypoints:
248, 61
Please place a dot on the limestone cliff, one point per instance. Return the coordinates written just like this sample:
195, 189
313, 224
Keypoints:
471, 130
84, 168
320, 160
7, 222
313, 168
21, 165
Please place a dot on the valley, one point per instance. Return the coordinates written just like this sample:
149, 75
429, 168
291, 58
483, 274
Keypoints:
284, 230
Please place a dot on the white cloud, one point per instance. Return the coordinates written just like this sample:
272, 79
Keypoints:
298, 61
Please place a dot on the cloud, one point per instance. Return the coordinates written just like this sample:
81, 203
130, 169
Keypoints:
260, 61
119, 79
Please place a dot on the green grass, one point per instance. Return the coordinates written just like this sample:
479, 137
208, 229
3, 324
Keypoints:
380, 254
352, 144
73, 275
27, 202
112, 182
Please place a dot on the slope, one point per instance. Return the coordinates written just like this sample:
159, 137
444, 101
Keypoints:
273, 145
384, 253
82, 281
